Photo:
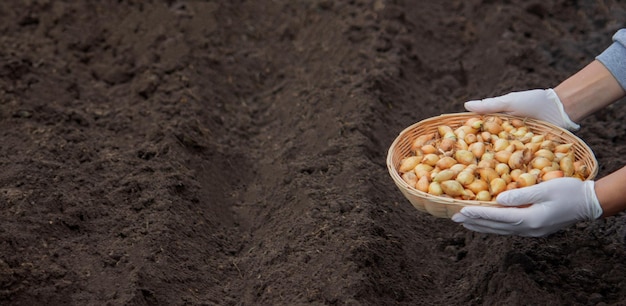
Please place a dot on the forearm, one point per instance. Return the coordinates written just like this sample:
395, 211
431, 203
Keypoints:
589, 90
610, 192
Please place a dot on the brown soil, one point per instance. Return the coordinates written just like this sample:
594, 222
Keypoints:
233, 152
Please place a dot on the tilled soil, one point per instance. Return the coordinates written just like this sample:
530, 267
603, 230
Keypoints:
233, 152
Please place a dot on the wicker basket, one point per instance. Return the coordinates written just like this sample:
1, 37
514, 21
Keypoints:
444, 207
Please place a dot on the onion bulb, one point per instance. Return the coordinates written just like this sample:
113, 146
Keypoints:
452, 188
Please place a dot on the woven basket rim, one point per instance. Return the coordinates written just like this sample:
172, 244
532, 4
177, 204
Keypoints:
554, 129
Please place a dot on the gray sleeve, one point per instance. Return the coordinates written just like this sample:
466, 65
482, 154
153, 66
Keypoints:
614, 57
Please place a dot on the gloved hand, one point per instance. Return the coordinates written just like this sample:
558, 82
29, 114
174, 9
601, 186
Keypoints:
542, 104
555, 203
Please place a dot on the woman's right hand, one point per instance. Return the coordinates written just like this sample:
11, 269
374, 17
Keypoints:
556, 204
542, 104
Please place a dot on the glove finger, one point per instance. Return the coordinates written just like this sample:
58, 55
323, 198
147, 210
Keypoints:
496, 217
509, 231
489, 105
523, 196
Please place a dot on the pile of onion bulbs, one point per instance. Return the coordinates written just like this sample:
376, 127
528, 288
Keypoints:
484, 157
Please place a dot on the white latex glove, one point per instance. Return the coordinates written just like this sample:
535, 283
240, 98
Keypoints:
542, 104
557, 203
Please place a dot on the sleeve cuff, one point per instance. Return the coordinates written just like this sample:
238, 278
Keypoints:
614, 58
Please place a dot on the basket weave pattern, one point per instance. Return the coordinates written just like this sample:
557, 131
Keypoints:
444, 207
